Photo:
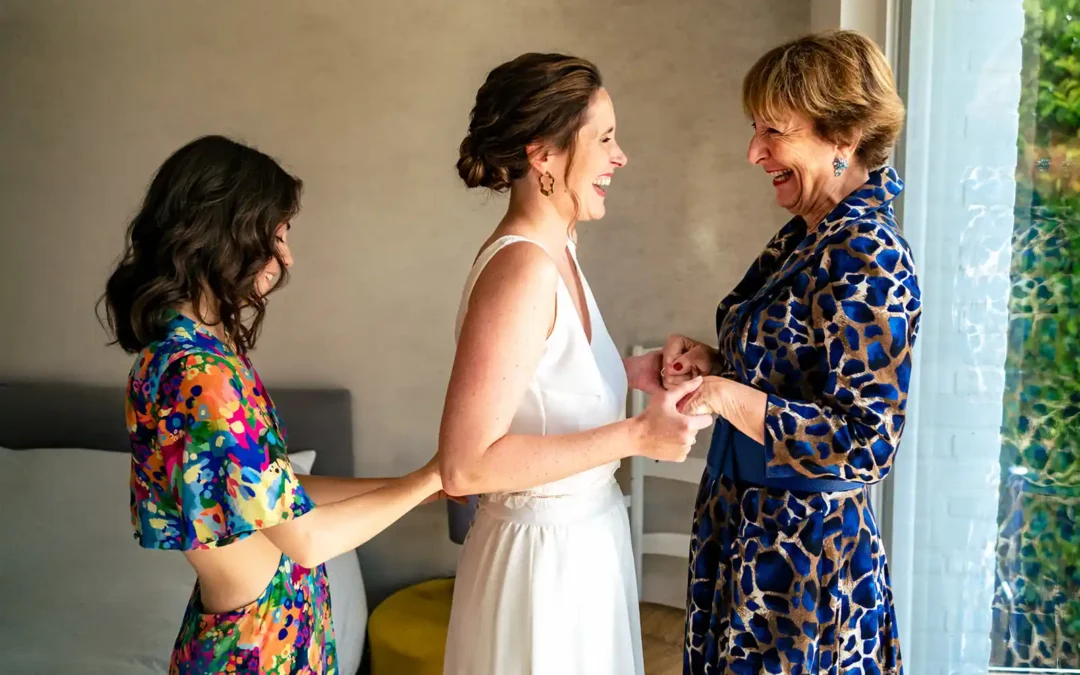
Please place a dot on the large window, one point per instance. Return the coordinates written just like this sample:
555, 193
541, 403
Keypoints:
985, 502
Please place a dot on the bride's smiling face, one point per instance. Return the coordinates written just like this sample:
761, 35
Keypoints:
597, 155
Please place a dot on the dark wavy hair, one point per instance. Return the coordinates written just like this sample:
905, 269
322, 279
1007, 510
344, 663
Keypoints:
206, 229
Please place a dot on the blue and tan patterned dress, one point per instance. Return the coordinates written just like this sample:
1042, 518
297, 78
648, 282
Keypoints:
787, 569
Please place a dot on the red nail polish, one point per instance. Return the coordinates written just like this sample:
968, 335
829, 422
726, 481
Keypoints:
677, 367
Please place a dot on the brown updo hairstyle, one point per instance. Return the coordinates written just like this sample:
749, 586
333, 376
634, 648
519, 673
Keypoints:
839, 80
534, 98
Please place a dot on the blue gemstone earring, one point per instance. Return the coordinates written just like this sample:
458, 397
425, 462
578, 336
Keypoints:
839, 165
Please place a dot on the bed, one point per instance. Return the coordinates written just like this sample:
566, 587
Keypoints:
77, 594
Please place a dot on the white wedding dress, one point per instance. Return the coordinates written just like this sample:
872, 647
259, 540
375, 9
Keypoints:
546, 584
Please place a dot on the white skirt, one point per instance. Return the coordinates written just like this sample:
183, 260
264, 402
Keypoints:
546, 586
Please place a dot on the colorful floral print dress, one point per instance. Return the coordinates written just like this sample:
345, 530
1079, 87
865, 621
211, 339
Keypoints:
209, 467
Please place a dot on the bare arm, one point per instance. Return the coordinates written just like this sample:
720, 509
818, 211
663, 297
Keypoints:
325, 490
340, 526
501, 343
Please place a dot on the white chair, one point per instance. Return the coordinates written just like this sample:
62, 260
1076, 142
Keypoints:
674, 544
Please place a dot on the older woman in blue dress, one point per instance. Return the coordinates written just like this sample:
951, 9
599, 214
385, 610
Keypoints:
809, 382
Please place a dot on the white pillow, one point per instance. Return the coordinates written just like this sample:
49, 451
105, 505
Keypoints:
70, 569
347, 597
302, 462
77, 574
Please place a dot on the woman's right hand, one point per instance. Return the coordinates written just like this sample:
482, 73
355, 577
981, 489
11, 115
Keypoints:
430, 471
667, 434
685, 359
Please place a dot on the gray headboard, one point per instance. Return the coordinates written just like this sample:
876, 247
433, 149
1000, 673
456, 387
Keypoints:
65, 415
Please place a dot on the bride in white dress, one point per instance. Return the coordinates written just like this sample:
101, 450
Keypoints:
535, 411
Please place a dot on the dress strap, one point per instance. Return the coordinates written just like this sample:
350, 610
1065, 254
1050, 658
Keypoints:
489, 253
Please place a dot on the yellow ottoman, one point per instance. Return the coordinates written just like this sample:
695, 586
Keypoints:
407, 631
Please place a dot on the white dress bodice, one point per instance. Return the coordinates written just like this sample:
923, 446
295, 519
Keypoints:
577, 386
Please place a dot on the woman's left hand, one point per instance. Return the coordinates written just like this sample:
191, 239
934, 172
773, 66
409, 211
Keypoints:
706, 399
433, 467
741, 405
685, 359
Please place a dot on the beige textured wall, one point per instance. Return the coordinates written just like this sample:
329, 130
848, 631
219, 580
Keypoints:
827, 14
367, 102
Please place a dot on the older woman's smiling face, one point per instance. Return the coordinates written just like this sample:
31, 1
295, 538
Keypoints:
799, 162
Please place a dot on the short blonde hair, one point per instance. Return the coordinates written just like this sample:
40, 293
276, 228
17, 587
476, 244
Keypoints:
840, 80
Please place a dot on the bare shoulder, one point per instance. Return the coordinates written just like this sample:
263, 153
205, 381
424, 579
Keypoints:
520, 271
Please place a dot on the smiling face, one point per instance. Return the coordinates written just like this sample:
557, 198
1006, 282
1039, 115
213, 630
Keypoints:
270, 275
596, 157
798, 161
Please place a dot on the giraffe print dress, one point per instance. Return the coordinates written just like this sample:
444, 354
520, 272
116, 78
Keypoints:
783, 579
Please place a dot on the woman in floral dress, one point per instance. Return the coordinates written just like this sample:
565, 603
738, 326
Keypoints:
210, 475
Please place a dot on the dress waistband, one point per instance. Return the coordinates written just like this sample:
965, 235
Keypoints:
735, 455
534, 509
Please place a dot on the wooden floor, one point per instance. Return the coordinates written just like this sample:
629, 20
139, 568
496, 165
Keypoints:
662, 630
